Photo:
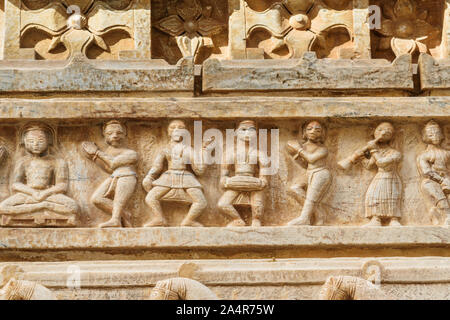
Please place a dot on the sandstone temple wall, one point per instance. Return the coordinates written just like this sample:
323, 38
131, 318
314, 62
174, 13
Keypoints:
102, 195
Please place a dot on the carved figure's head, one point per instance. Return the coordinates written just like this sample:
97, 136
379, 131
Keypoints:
314, 132
114, 132
177, 130
384, 132
432, 133
37, 137
247, 130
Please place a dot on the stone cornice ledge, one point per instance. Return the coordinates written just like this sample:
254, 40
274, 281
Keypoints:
67, 109
223, 238
434, 74
81, 74
308, 73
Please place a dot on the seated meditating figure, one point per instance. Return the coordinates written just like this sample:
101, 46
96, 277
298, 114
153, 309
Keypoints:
40, 181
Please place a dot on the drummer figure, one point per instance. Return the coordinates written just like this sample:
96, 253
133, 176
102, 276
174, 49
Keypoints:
246, 186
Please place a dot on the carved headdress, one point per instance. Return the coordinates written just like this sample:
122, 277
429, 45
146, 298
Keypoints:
106, 124
306, 124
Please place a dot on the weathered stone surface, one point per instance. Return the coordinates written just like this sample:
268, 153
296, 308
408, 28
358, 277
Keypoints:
225, 238
402, 278
344, 176
224, 108
434, 74
307, 73
80, 74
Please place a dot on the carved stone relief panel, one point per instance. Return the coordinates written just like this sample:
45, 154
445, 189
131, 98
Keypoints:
130, 174
58, 30
189, 28
287, 29
409, 27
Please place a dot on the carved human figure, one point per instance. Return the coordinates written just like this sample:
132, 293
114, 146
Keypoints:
40, 178
181, 289
114, 193
179, 182
313, 157
433, 168
385, 191
350, 288
246, 186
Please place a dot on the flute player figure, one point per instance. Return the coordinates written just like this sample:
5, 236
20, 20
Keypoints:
384, 194
313, 157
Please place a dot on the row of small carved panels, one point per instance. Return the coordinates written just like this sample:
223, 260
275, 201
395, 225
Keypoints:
314, 180
275, 29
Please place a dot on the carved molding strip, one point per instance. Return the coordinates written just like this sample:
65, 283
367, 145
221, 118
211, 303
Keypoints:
307, 73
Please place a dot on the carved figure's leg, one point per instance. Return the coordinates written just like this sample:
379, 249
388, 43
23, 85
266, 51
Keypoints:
226, 207
395, 222
374, 222
433, 192
198, 205
319, 184
124, 189
257, 200
153, 201
60, 203
297, 191
20, 203
99, 200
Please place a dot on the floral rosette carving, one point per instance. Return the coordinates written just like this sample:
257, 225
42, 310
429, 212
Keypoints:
192, 27
405, 28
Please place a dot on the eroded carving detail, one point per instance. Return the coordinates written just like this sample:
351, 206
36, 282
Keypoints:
14, 289
350, 288
432, 165
40, 181
181, 289
405, 28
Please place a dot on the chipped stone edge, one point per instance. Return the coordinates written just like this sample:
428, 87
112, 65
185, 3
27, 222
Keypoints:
317, 74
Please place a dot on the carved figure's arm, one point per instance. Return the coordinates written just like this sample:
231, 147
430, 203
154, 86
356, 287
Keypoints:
384, 160
19, 179
61, 180
126, 158
154, 172
426, 170
369, 164
313, 157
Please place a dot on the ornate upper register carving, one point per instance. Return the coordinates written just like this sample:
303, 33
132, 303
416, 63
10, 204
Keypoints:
55, 30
